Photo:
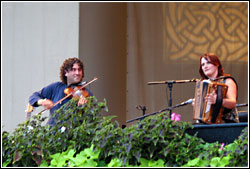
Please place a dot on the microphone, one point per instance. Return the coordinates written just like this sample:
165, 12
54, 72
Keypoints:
241, 105
189, 101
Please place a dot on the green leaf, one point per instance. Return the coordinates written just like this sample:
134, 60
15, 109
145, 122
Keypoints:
6, 163
44, 164
194, 162
144, 162
158, 163
225, 161
115, 163
89, 163
215, 161
71, 153
101, 163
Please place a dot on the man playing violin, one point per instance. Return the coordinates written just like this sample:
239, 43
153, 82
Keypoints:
71, 75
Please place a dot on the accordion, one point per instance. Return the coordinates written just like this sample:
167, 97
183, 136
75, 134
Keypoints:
203, 111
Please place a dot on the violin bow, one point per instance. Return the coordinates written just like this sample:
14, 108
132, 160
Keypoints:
70, 94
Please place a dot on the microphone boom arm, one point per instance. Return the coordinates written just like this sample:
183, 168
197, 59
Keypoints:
169, 108
172, 81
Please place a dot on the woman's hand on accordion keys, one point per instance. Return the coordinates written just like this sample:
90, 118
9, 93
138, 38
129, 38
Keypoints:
211, 98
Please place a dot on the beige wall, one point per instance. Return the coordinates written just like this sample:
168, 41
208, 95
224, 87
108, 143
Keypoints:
36, 37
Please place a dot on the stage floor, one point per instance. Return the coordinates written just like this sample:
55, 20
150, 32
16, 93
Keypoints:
223, 133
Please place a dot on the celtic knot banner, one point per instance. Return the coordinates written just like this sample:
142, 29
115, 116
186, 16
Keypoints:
192, 29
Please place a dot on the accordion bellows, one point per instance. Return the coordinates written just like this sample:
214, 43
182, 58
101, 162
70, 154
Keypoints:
210, 114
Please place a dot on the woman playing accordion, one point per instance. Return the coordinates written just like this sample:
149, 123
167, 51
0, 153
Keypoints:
216, 93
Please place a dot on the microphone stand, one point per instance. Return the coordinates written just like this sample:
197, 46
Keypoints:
146, 115
169, 109
170, 86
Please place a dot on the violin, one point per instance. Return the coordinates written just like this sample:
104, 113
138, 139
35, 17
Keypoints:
76, 92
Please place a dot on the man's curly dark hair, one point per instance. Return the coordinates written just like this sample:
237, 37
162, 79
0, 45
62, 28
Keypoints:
67, 66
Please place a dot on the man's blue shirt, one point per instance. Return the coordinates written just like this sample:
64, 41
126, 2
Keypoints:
54, 92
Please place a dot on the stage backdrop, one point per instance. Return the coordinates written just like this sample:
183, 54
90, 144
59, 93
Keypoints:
165, 41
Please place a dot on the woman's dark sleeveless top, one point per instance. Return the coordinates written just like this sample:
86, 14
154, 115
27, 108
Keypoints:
229, 115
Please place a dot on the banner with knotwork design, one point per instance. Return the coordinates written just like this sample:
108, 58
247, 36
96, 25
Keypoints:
192, 29
165, 41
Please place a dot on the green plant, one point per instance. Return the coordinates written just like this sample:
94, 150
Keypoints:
155, 137
115, 162
25, 146
151, 163
86, 158
89, 158
31, 142
216, 155
154, 141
